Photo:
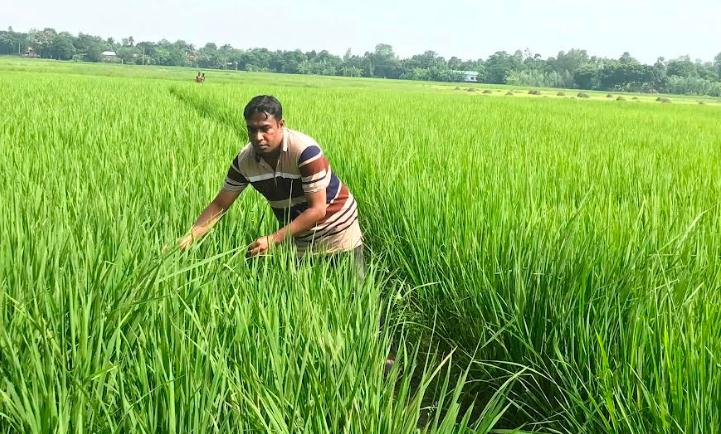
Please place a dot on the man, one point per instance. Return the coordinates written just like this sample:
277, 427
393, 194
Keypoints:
290, 170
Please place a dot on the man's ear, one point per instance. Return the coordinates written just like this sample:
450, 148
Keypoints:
281, 123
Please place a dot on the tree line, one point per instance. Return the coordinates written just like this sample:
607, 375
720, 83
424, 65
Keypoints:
572, 69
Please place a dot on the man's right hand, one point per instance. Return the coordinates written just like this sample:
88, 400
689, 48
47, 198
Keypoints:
208, 218
185, 242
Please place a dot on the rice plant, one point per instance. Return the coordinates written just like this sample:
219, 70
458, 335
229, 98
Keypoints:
547, 265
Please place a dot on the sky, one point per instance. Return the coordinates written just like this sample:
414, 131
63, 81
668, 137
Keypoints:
463, 28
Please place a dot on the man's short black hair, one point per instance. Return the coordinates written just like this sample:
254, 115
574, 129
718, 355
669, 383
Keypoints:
267, 104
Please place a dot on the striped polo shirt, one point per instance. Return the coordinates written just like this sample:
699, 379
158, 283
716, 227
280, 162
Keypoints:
302, 168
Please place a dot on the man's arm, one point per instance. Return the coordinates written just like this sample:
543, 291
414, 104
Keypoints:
209, 217
305, 221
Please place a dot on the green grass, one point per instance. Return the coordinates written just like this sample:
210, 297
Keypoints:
549, 264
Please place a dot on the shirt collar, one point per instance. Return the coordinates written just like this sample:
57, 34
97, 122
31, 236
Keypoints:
285, 139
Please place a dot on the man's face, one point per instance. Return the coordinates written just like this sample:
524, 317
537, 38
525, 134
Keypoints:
265, 133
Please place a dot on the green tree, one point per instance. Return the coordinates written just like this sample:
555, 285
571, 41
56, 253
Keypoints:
566, 64
111, 44
8, 43
291, 60
586, 77
627, 59
208, 56
89, 46
256, 59
351, 71
383, 62
352, 65
568, 69
681, 67
129, 54
535, 61
499, 65
455, 64
471, 65
171, 53
705, 70
225, 54
427, 60
416, 74
12, 42
62, 47
146, 50
42, 42
660, 75
625, 76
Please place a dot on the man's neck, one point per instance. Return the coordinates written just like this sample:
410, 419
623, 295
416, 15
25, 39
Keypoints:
272, 158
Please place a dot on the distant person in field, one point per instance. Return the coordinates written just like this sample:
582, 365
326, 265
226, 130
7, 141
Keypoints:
200, 78
290, 170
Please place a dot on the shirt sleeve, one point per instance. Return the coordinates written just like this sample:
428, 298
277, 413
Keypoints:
234, 180
314, 169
